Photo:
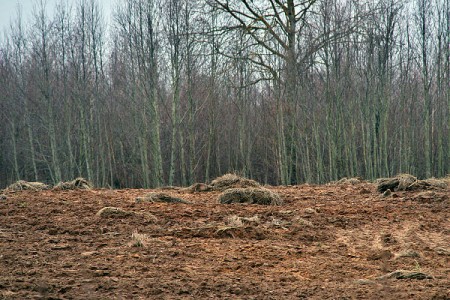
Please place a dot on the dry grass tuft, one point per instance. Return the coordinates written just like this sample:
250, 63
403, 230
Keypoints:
407, 253
228, 181
404, 181
160, 197
76, 184
251, 196
23, 185
406, 274
236, 221
407, 182
428, 184
348, 181
109, 211
138, 239
304, 222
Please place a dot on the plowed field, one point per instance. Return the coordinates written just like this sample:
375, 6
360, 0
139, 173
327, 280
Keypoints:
324, 242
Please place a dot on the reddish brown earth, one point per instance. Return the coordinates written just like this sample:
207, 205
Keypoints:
324, 242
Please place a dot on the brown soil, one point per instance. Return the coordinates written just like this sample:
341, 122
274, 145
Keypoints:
324, 242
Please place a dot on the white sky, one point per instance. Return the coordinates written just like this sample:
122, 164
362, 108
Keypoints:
8, 9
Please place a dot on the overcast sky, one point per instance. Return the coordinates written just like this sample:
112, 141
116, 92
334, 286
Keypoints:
8, 9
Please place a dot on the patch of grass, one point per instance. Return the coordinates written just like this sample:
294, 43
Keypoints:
232, 181
113, 212
408, 253
234, 221
23, 185
138, 239
76, 184
304, 222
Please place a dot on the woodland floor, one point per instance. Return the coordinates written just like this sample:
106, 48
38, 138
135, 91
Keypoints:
324, 242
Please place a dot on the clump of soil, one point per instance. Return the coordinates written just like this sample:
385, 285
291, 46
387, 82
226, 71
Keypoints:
430, 196
106, 212
251, 196
407, 182
23, 185
76, 184
160, 197
197, 187
228, 181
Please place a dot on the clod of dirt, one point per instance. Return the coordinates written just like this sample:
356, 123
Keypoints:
430, 196
232, 181
247, 232
388, 239
404, 274
160, 197
76, 184
106, 212
23, 185
251, 196
380, 255
364, 191
197, 187
387, 193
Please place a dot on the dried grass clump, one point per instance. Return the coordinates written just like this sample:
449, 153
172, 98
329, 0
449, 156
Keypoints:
407, 253
138, 239
197, 187
232, 181
407, 182
406, 274
110, 211
160, 197
427, 184
169, 188
251, 196
76, 184
348, 181
23, 185
404, 181
236, 221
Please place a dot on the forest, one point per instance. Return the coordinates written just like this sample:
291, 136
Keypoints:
172, 92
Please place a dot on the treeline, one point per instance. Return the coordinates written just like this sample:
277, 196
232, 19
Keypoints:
172, 92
